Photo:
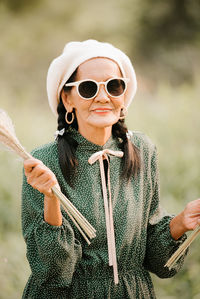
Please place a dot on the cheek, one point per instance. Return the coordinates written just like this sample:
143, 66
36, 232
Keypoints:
82, 108
119, 104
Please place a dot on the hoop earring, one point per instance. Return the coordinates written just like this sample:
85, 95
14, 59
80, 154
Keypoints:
123, 112
69, 122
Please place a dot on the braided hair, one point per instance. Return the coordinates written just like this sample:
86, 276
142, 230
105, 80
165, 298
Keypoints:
67, 145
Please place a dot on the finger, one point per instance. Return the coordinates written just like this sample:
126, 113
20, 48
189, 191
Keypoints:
30, 164
194, 214
46, 188
33, 178
39, 177
39, 170
43, 182
193, 207
47, 178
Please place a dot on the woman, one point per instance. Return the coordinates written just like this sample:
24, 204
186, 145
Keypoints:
100, 166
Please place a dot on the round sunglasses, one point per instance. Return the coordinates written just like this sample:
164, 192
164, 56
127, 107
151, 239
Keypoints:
88, 89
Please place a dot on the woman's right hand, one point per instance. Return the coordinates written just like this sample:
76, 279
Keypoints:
39, 176
43, 179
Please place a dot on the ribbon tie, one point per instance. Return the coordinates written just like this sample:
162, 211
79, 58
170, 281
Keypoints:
101, 155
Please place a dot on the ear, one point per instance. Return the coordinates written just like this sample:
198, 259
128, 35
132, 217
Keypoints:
66, 101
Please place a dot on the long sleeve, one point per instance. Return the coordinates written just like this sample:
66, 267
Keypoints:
160, 244
63, 267
52, 251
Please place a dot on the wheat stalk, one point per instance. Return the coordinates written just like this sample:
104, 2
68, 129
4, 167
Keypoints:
9, 139
180, 251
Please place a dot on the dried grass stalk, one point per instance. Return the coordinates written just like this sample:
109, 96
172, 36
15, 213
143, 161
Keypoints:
9, 139
180, 251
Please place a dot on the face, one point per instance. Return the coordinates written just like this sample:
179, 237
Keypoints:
102, 111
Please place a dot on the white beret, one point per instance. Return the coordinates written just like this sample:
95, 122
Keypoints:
73, 55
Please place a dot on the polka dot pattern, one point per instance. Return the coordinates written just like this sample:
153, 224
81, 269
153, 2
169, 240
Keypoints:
63, 265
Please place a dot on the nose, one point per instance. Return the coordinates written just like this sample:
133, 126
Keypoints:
102, 95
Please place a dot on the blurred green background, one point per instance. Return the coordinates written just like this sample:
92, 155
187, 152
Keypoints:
162, 39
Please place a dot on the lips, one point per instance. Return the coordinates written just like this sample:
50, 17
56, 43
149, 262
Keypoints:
101, 110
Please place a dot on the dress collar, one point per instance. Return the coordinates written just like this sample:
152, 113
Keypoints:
84, 144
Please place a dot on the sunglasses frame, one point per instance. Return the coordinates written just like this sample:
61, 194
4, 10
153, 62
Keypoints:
77, 83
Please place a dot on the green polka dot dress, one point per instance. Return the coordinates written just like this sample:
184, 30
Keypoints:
63, 265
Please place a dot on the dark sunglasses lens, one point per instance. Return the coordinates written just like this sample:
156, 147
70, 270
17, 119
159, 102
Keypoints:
87, 89
116, 87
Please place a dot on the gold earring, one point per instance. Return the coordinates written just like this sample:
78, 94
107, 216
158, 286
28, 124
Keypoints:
69, 122
123, 112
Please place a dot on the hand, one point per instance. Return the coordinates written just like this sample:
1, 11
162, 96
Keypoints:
187, 220
39, 176
191, 215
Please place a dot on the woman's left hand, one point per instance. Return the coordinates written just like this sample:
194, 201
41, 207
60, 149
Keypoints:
191, 215
187, 220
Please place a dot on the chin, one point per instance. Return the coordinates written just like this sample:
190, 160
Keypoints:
103, 123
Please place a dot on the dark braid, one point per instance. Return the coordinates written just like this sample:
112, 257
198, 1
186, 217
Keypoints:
67, 145
131, 157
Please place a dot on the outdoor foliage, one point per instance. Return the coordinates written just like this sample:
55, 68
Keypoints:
163, 43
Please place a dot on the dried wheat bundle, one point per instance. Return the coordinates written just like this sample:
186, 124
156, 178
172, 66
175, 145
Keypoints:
180, 251
10, 140
8, 137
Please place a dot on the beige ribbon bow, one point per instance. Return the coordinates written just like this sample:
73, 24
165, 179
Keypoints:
101, 155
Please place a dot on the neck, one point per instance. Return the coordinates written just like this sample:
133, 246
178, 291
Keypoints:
97, 136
